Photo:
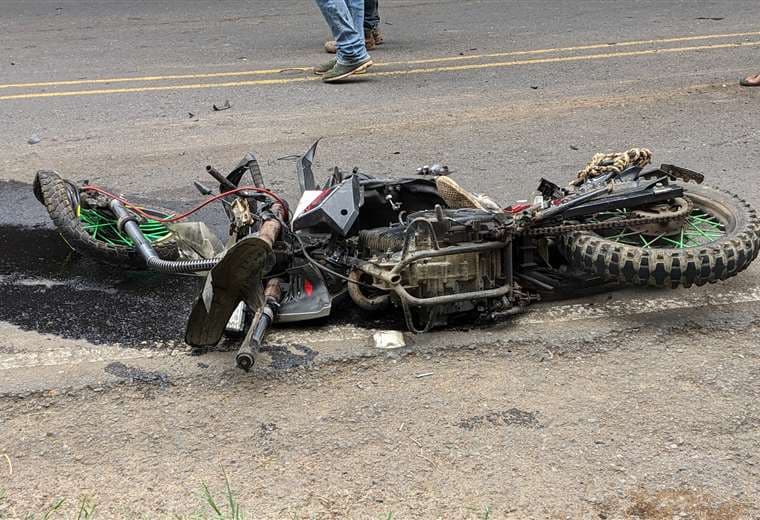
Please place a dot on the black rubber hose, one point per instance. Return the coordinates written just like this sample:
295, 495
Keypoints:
128, 223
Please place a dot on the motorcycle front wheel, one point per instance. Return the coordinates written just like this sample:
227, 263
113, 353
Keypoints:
719, 238
92, 230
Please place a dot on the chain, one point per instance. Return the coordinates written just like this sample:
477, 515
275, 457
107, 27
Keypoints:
612, 224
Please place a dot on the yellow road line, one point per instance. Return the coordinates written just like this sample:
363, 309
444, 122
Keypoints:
569, 49
385, 64
587, 57
474, 66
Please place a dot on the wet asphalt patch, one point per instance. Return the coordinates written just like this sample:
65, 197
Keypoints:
137, 375
48, 288
283, 358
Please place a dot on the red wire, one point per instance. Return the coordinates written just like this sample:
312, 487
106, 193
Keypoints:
186, 214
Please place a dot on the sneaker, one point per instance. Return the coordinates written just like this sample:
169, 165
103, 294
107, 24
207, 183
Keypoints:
457, 197
326, 66
369, 41
339, 72
377, 36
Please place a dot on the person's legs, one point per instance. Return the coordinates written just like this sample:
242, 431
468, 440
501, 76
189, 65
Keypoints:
342, 17
372, 22
371, 15
356, 7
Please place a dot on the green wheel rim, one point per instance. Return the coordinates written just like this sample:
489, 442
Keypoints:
102, 226
700, 228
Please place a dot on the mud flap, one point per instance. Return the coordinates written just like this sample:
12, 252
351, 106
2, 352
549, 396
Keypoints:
236, 278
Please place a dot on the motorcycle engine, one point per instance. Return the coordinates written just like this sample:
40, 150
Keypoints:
449, 274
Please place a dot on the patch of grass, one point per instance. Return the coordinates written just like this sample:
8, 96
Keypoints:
230, 510
85, 510
226, 507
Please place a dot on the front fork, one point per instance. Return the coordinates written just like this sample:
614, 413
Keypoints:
249, 349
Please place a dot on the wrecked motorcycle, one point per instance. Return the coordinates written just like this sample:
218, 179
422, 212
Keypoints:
423, 245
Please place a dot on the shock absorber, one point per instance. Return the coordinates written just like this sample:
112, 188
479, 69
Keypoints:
249, 349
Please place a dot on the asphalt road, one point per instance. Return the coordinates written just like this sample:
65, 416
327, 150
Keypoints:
505, 93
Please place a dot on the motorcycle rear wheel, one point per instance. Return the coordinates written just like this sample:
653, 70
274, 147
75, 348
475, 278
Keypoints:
718, 239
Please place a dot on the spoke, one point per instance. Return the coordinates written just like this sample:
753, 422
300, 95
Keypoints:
679, 245
701, 232
95, 226
711, 221
623, 234
655, 239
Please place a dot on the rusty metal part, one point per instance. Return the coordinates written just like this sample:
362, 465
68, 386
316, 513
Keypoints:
362, 301
273, 290
656, 210
270, 229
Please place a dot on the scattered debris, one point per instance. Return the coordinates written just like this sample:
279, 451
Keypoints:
190, 115
10, 464
435, 170
203, 365
226, 106
425, 374
573, 147
34, 139
268, 428
713, 19
388, 339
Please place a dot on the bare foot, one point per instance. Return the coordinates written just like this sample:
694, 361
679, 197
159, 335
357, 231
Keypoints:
751, 81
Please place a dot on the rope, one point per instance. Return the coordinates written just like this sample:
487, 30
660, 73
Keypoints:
615, 162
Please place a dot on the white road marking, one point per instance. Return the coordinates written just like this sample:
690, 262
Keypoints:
27, 349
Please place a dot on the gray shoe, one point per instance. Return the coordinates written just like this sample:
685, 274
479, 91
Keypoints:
340, 72
326, 66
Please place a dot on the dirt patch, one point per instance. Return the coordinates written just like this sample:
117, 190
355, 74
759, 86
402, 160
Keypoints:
682, 503
582, 435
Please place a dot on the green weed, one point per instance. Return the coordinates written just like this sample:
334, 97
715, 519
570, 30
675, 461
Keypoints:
232, 511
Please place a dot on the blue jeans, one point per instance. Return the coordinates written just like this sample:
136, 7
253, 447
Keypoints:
371, 15
346, 21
